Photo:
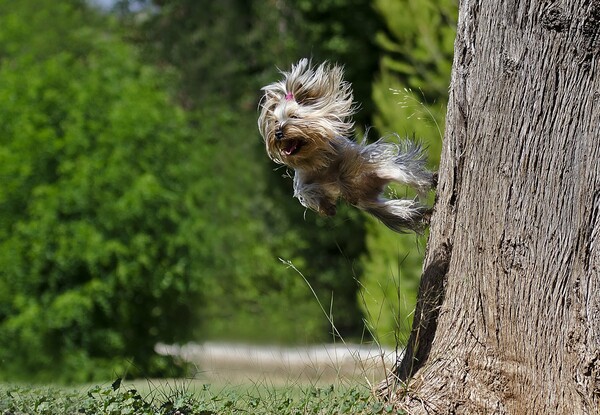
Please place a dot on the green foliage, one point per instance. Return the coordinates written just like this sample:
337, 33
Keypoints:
418, 43
118, 400
410, 96
92, 272
238, 235
392, 269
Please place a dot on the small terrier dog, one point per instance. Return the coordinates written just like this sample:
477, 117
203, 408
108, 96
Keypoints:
305, 120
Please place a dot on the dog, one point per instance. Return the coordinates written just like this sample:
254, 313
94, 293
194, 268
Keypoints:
306, 123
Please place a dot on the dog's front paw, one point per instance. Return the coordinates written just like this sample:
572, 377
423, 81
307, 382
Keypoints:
426, 217
327, 209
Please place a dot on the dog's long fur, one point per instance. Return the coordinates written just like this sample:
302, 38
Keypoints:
305, 120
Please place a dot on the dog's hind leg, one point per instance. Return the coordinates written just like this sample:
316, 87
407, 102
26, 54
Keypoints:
400, 215
402, 163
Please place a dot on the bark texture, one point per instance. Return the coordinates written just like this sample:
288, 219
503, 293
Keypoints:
508, 315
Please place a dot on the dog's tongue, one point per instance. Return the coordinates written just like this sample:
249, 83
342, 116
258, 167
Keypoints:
291, 147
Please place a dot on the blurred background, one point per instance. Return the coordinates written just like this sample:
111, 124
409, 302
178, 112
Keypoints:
138, 207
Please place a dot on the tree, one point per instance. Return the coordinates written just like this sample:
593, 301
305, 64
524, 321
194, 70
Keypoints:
508, 312
94, 264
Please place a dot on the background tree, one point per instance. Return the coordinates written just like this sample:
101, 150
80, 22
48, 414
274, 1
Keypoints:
410, 95
508, 313
92, 160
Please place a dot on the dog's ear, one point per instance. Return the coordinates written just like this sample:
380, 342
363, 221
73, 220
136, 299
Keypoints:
306, 96
310, 95
299, 93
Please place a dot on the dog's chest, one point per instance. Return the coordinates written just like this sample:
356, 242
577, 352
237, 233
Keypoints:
329, 183
335, 183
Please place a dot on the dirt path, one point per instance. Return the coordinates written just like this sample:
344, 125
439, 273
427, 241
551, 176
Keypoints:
227, 362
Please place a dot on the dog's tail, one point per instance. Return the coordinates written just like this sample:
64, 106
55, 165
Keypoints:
399, 215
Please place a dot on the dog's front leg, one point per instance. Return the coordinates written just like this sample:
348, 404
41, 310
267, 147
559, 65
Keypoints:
314, 196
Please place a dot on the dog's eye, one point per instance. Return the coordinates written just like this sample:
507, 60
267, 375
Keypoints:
294, 117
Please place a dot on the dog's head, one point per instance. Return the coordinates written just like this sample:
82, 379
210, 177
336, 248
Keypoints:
301, 114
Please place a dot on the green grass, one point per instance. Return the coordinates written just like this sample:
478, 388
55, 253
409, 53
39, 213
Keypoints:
187, 397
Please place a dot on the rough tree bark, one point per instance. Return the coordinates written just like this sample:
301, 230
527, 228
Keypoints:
508, 314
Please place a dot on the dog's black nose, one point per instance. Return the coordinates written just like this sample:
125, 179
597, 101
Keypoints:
279, 134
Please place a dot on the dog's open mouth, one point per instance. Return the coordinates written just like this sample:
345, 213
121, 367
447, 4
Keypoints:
292, 147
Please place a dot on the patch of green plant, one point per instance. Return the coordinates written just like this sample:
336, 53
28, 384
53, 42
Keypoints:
117, 399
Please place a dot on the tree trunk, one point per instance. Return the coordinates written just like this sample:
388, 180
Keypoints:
508, 315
